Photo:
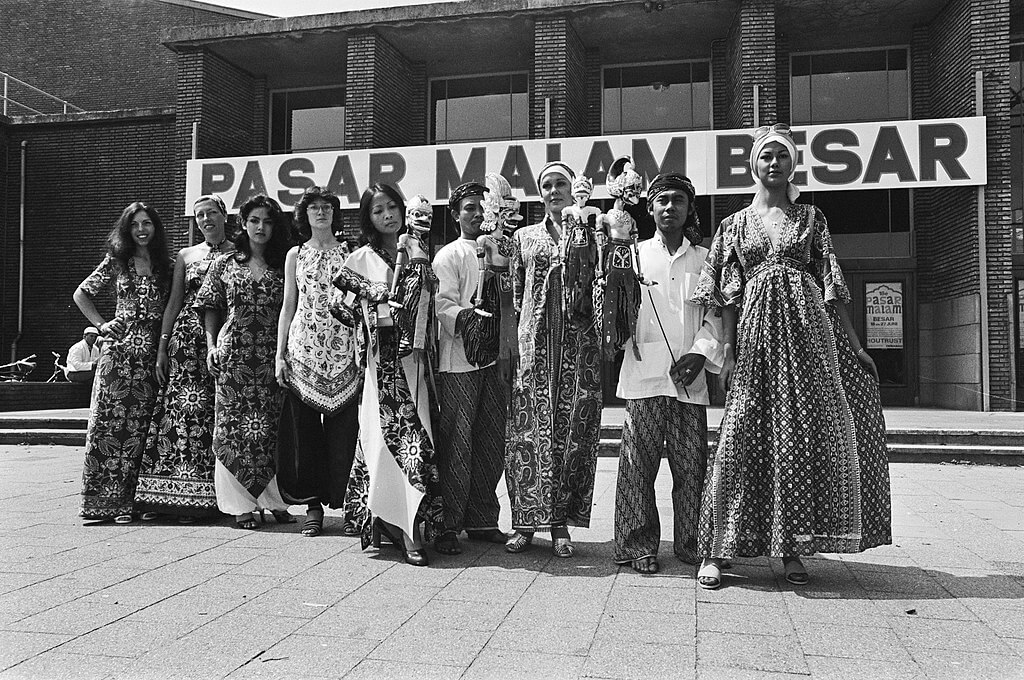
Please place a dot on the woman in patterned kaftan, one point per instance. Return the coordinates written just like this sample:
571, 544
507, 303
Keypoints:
553, 431
177, 474
137, 269
801, 464
241, 300
316, 366
394, 485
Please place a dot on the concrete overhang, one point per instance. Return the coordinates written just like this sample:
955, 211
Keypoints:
490, 36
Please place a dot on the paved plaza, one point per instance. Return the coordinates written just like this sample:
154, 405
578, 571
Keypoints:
159, 600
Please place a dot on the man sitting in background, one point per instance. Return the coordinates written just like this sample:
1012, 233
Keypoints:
82, 357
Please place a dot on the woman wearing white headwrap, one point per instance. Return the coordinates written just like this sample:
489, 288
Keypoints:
551, 455
801, 463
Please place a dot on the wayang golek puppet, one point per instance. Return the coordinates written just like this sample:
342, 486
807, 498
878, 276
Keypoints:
412, 290
620, 261
582, 253
495, 326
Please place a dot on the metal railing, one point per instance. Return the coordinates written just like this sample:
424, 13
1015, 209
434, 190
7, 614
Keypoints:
8, 80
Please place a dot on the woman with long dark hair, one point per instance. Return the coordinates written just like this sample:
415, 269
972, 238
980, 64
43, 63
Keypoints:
316, 366
397, 477
137, 270
241, 298
177, 475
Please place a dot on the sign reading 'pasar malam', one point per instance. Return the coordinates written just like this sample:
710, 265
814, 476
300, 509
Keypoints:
886, 155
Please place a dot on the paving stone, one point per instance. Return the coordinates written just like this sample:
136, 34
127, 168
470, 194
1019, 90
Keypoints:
469, 587
705, 672
357, 622
17, 646
305, 656
373, 669
757, 652
628, 627
941, 664
833, 668
640, 661
966, 636
73, 618
445, 615
554, 636
876, 642
651, 600
718, 617
56, 664
499, 663
457, 648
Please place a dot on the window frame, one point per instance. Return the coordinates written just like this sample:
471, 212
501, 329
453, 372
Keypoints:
270, 116
665, 62
431, 124
875, 48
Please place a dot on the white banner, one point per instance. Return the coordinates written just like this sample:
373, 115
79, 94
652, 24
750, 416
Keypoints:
889, 155
883, 309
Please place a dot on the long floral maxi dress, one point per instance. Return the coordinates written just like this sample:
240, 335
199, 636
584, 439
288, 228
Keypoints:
555, 422
177, 475
248, 399
801, 464
395, 475
124, 392
319, 424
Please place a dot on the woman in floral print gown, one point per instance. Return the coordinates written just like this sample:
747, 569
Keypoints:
247, 286
801, 464
177, 474
138, 270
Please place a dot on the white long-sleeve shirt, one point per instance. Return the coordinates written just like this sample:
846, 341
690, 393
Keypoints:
457, 272
689, 327
81, 357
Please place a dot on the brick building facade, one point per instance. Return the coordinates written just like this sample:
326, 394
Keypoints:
959, 270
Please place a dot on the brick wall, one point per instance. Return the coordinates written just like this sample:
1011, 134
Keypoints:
751, 60
595, 91
230, 107
966, 37
80, 173
559, 74
380, 92
99, 55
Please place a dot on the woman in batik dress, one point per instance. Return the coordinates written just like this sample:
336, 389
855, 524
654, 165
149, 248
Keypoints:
177, 475
137, 269
316, 365
801, 463
247, 287
394, 485
555, 423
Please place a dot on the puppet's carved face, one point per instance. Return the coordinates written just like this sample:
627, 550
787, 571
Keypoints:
419, 215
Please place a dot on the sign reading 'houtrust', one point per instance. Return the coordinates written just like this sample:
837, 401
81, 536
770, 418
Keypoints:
886, 155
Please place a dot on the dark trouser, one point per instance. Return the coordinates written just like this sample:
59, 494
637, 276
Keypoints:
654, 427
80, 376
471, 448
314, 452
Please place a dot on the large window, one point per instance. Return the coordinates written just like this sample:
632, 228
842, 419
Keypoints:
866, 223
657, 97
479, 108
307, 120
847, 87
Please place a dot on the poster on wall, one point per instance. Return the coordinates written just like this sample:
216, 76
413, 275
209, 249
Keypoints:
883, 309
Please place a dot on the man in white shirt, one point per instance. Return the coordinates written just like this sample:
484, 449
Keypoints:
82, 357
473, 398
666, 391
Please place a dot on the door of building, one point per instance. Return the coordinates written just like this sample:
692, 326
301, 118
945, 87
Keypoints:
884, 313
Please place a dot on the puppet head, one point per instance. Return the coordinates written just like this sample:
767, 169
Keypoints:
418, 215
582, 188
501, 207
624, 182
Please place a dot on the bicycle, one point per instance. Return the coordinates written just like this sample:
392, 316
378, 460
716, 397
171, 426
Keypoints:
17, 371
59, 370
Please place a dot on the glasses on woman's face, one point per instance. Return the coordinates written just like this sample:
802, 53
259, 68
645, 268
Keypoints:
780, 128
320, 207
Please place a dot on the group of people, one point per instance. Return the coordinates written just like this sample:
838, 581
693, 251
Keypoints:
254, 375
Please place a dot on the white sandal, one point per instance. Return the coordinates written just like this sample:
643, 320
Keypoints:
710, 576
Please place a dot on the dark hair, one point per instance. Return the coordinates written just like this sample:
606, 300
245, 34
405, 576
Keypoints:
121, 246
300, 220
279, 243
367, 233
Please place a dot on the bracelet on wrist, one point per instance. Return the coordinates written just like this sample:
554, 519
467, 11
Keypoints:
165, 336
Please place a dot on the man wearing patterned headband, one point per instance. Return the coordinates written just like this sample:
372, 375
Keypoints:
666, 392
473, 399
